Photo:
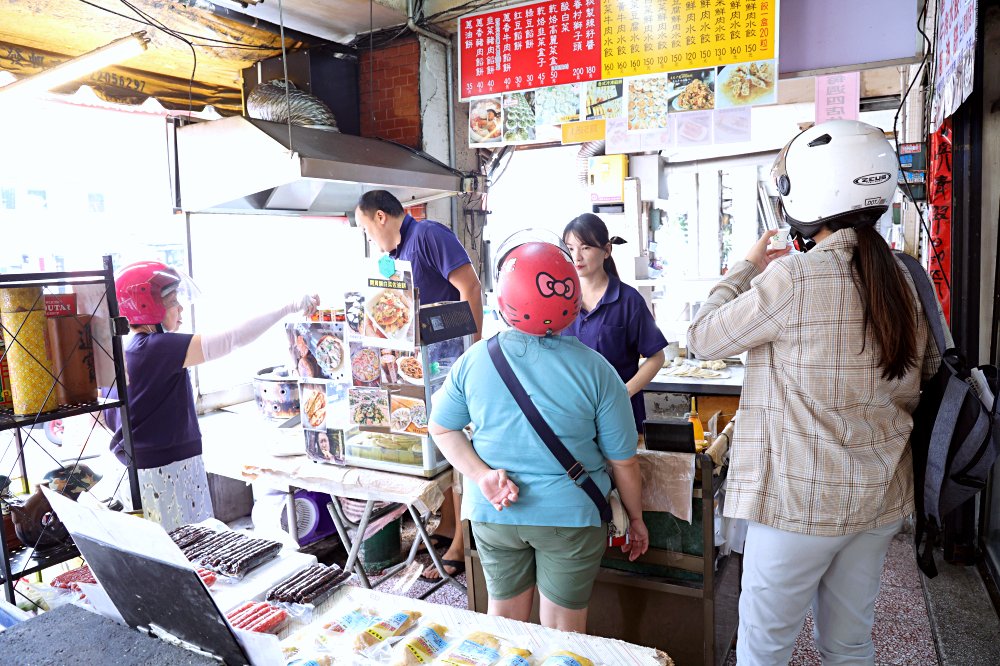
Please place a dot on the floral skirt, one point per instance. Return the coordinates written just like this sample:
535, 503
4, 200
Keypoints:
173, 495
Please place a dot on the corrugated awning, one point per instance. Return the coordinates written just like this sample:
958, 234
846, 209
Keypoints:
37, 34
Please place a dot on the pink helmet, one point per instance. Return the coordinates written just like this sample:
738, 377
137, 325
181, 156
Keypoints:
141, 287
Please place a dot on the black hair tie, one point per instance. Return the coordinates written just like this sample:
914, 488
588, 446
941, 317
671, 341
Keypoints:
617, 240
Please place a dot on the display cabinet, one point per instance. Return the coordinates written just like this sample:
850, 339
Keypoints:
368, 373
40, 387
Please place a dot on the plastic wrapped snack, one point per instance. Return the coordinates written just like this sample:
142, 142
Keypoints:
565, 658
422, 646
480, 648
512, 656
385, 627
356, 620
311, 660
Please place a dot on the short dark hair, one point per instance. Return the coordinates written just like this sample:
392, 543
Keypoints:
493, 111
380, 200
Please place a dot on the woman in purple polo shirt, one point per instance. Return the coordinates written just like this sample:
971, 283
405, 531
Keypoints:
614, 321
166, 439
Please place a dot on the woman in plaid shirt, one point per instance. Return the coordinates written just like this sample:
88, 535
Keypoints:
838, 345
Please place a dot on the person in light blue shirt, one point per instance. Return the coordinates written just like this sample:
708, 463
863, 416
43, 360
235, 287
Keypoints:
532, 524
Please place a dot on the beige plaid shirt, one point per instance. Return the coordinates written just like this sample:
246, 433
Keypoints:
821, 444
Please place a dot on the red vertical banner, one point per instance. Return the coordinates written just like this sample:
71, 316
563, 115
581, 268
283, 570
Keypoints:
939, 197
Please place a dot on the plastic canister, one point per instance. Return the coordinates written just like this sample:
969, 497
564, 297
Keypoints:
22, 316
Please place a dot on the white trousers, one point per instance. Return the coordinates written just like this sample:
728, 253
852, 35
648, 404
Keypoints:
785, 572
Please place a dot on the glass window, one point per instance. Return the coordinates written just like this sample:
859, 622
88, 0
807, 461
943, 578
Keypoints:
95, 202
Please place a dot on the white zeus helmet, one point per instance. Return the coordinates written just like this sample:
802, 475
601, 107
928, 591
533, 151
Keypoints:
838, 171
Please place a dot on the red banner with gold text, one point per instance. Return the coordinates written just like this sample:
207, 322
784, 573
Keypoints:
939, 197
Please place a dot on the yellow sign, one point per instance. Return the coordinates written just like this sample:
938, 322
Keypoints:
587, 130
651, 36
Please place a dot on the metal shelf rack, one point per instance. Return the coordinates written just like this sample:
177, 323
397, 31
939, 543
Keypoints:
22, 561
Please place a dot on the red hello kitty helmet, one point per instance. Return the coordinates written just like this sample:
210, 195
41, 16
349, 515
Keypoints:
539, 291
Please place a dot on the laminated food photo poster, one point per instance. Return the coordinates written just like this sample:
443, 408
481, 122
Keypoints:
386, 397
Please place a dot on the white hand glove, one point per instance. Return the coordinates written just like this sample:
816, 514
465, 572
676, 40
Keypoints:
307, 304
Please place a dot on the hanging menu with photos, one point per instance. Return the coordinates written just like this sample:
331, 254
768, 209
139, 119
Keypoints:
653, 36
529, 46
573, 41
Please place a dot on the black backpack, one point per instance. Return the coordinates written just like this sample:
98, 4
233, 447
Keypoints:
955, 434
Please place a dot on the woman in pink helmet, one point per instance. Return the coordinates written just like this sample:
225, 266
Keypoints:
166, 438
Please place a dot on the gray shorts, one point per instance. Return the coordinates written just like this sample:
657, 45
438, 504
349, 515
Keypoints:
562, 561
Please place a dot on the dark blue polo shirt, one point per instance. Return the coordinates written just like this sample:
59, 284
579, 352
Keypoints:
621, 329
434, 251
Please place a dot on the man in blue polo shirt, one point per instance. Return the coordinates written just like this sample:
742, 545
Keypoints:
442, 271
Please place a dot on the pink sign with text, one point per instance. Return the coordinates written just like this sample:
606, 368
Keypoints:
838, 97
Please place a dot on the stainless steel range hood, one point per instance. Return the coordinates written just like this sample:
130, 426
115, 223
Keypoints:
245, 165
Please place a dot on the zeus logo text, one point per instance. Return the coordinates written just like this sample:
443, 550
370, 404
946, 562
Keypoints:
872, 179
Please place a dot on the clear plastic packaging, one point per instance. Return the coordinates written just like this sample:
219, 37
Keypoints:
384, 627
258, 616
480, 648
421, 645
565, 658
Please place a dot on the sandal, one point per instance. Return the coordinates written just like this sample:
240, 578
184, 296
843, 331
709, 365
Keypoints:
457, 565
437, 540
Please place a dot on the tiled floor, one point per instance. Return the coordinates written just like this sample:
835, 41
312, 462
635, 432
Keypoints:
902, 631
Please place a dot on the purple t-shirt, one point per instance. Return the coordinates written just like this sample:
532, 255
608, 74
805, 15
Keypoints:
160, 400
621, 329
434, 252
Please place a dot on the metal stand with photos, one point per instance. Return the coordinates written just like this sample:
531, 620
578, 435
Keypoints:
444, 333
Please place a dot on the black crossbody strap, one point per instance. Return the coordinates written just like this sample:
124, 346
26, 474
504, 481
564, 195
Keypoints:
572, 466
928, 299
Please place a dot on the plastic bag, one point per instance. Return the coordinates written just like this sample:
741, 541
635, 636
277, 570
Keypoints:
480, 648
565, 658
383, 628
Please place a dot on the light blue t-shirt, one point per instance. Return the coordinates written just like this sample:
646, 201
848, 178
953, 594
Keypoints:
577, 392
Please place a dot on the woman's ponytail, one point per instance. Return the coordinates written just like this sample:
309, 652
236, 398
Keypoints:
888, 303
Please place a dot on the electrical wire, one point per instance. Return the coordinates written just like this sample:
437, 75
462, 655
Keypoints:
219, 43
922, 29
156, 23
459, 10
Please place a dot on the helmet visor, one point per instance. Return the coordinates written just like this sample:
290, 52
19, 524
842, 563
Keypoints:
175, 287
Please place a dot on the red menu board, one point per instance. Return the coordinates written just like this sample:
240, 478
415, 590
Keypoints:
529, 46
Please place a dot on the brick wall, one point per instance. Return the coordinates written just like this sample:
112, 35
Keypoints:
392, 109
419, 212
